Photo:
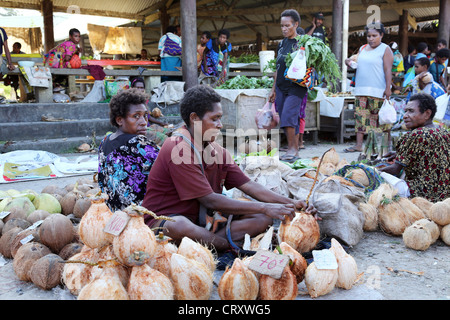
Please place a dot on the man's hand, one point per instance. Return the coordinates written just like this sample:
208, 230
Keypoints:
310, 209
279, 211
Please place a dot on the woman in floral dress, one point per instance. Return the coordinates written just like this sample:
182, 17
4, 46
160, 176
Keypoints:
127, 155
59, 57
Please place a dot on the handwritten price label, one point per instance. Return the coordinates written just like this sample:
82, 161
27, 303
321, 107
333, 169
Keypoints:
324, 259
269, 263
117, 223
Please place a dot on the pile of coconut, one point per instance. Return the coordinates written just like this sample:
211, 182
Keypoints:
420, 222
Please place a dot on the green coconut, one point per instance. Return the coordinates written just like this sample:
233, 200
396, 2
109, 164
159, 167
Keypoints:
4, 202
47, 202
13, 192
20, 207
4, 194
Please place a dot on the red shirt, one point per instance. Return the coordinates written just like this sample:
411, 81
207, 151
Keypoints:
175, 182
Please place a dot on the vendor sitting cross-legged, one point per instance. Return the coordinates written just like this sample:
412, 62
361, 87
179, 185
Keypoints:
179, 187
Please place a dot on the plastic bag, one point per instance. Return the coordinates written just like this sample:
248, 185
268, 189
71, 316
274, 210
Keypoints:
297, 69
387, 113
267, 117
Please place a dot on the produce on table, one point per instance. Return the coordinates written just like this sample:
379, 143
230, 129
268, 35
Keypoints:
238, 283
347, 267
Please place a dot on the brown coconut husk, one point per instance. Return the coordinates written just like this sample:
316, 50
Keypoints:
37, 215
70, 250
16, 243
393, 219
423, 204
26, 256
6, 241
56, 232
12, 223
46, 271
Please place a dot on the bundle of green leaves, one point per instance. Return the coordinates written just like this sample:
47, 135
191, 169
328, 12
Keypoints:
319, 56
242, 82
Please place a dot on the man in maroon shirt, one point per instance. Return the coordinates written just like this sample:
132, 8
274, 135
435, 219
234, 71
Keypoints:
180, 185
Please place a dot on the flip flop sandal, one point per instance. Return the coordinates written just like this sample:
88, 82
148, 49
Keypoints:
348, 150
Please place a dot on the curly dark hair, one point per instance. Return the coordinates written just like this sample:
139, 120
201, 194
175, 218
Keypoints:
226, 32
198, 99
426, 102
119, 106
424, 62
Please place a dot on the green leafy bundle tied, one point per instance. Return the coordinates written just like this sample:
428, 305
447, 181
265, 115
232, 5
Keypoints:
319, 56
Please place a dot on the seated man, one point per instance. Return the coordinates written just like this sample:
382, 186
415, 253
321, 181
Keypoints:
181, 184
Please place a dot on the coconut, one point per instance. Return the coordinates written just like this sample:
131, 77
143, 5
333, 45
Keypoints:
12, 223
13, 192
423, 204
149, 284
93, 222
301, 233
137, 237
69, 187
81, 206
46, 271
327, 169
4, 202
191, 280
299, 263
432, 227
1, 226
37, 215
77, 269
107, 286
319, 282
163, 252
17, 242
92, 192
341, 180
68, 202
331, 157
56, 232
84, 180
70, 250
106, 255
6, 241
445, 234
358, 175
19, 208
194, 250
238, 283
411, 209
47, 202
393, 219
384, 191
440, 213
347, 268
417, 237
284, 288
26, 256
370, 216
342, 164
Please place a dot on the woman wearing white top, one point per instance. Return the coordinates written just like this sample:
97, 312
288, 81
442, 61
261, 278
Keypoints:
372, 83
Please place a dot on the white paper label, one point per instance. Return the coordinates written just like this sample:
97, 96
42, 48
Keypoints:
117, 223
27, 239
324, 259
35, 225
4, 214
269, 263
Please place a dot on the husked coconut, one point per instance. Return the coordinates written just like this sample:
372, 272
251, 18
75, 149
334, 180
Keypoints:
423, 204
432, 227
417, 237
440, 213
26, 256
445, 234
393, 219
384, 191
238, 283
56, 232
320, 282
301, 233
299, 263
46, 271
370, 216
68, 202
196, 251
149, 284
347, 267
284, 288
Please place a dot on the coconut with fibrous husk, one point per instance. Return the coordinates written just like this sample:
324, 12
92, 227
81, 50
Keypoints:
26, 256
445, 234
191, 280
431, 226
319, 282
301, 233
68, 202
136, 244
16, 222
37, 215
331, 157
327, 169
70, 250
149, 284
93, 222
46, 271
414, 212
238, 283
19, 208
370, 216
6, 241
81, 206
56, 231
384, 191
48, 202
106, 286
440, 213
30, 234
105, 255
392, 218
417, 237
77, 269
198, 252
342, 163
423, 204
299, 263
160, 260
347, 267
284, 288
359, 176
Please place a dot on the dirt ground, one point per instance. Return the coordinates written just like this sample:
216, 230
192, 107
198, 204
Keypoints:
388, 270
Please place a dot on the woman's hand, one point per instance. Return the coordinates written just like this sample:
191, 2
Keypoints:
272, 95
387, 93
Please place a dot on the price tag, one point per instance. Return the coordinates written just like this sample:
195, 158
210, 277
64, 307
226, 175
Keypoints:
324, 259
35, 225
269, 263
27, 239
117, 223
4, 214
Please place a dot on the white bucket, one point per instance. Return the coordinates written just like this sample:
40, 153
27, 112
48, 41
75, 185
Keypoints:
264, 58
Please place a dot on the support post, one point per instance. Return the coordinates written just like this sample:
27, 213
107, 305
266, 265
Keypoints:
444, 20
337, 35
403, 33
47, 13
345, 15
189, 39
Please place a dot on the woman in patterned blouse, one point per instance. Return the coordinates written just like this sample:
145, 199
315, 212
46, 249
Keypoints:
127, 155
424, 152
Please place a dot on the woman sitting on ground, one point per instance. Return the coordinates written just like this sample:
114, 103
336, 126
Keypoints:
423, 154
126, 156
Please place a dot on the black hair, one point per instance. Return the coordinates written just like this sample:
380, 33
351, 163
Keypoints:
422, 46
426, 102
295, 16
207, 34
424, 62
119, 106
300, 31
18, 44
171, 29
442, 41
376, 26
73, 31
225, 32
198, 99
411, 48
136, 80
443, 53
